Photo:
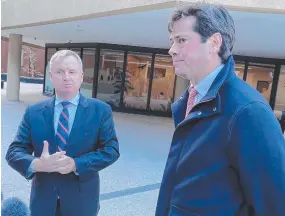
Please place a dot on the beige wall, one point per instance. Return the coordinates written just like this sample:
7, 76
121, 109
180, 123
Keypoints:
22, 13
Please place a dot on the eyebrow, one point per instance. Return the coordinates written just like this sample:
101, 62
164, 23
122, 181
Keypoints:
177, 37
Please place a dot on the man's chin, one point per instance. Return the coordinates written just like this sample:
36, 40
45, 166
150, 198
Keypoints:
182, 75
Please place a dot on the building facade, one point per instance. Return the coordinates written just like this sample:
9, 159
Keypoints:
143, 80
124, 47
32, 59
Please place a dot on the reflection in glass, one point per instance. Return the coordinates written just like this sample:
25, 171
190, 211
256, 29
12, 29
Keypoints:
77, 50
239, 69
138, 69
48, 85
88, 61
280, 95
110, 76
162, 84
260, 76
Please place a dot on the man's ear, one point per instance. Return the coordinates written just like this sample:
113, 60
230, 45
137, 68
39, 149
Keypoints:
82, 76
216, 41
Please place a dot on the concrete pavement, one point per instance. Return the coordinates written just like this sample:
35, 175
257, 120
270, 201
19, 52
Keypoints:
130, 186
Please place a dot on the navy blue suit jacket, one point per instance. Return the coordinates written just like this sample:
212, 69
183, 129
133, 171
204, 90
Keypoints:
227, 158
92, 144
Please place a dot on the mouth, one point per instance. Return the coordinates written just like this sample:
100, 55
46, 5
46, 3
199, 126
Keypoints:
177, 62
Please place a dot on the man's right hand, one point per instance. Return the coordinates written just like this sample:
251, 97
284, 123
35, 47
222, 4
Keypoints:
47, 162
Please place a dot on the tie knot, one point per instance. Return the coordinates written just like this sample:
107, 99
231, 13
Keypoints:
65, 104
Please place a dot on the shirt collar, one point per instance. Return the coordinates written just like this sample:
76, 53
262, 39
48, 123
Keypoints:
204, 85
74, 100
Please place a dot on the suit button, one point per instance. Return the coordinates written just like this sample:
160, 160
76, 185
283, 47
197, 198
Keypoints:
214, 109
199, 113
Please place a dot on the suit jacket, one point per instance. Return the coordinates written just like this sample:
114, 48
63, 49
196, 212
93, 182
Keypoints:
92, 144
227, 157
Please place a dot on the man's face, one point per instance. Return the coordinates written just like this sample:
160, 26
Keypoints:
188, 53
66, 76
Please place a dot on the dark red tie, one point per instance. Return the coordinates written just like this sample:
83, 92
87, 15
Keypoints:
191, 100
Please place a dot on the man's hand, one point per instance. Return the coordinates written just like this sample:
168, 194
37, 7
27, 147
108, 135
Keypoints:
67, 165
47, 162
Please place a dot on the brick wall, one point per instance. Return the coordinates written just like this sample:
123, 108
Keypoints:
33, 58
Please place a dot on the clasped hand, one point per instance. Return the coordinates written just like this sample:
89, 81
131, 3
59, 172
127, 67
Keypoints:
57, 162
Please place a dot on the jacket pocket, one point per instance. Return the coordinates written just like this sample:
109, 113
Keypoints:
177, 211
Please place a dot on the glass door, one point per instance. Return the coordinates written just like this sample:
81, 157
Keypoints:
260, 76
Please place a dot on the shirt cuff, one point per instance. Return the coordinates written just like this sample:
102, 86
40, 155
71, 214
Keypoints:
31, 169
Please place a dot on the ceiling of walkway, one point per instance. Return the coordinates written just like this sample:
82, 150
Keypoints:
257, 34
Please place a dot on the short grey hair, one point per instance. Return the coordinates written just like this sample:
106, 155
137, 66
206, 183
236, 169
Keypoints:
210, 19
65, 53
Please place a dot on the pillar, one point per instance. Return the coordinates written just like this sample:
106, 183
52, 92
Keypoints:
280, 94
14, 67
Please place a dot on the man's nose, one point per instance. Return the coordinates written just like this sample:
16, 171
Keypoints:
173, 50
66, 75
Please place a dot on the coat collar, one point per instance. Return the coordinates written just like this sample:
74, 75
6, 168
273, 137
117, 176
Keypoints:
179, 107
225, 74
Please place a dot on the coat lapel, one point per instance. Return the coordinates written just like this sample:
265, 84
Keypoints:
179, 108
203, 110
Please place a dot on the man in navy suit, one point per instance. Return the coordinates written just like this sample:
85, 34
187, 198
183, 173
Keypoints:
62, 143
227, 155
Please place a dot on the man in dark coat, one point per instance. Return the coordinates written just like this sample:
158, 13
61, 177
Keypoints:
227, 156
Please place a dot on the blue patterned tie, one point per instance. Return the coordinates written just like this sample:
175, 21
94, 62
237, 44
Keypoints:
62, 128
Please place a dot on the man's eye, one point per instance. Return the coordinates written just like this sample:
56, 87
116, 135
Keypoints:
181, 40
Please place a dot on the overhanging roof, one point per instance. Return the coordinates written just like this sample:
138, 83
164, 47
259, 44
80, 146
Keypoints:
257, 34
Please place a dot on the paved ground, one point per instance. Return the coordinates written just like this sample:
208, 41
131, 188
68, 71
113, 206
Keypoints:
130, 186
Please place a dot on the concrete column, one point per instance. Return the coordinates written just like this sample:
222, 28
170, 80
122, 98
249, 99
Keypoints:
283, 69
180, 87
14, 67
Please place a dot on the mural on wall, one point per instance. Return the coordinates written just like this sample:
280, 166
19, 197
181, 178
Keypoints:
30, 59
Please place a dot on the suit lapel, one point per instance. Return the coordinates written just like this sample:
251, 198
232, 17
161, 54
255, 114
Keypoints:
48, 114
80, 118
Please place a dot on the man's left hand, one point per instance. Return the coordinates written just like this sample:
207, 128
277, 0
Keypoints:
66, 165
